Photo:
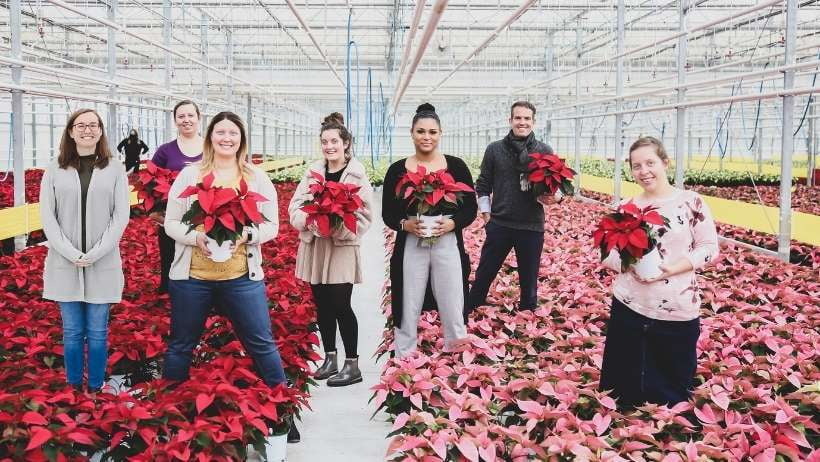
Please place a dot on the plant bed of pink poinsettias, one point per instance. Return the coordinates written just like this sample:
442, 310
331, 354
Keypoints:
526, 389
213, 416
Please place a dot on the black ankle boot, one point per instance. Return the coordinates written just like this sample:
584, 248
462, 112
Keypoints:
293, 432
349, 374
328, 368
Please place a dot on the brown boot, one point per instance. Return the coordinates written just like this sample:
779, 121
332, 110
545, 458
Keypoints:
349, 374
328, 368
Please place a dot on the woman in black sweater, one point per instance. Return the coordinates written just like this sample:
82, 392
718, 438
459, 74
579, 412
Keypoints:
417, 268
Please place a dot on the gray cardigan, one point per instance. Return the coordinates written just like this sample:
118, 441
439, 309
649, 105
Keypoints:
107, 212
185, 241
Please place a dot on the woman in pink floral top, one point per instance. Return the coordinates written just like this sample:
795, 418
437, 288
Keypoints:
654, 325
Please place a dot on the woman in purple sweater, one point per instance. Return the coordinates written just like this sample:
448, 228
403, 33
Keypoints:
176, 155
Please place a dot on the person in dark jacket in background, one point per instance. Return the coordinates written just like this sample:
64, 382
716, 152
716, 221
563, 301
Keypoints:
133, 147
513, 217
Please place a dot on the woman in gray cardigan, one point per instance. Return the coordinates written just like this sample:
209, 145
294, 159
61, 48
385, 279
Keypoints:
84, 208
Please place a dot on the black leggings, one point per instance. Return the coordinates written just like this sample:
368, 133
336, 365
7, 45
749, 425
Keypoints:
166, 257
332, 307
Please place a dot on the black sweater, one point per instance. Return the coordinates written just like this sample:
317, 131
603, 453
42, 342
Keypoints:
511, 207
395, 209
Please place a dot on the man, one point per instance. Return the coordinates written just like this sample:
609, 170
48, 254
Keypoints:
515, 219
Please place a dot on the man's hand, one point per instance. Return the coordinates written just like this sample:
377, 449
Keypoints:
546, 199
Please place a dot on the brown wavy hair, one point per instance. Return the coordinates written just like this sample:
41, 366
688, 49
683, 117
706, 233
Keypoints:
69, 157
336, 121
649, 141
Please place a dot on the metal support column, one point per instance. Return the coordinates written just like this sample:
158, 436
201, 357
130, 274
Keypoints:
787, 143
50, 130
577, 107
167, 13
249, 123
203, 46
112, 132
812, 151
33, 132
17, 119
550, 58
759, 150
680, 112
265, 120
229, 62
619, 91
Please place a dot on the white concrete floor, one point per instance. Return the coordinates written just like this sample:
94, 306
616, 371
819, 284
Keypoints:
339, 428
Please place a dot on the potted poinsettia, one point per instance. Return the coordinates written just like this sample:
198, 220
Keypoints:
222, 212
332, 206
431, 194
153, 185
630, 232
549, 174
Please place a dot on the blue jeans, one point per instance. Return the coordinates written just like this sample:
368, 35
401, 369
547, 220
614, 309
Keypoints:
246, 305
85, 323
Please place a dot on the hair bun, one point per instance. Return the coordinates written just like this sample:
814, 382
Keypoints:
426, 107
334, 118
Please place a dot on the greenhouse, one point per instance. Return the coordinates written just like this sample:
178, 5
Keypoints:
364, 230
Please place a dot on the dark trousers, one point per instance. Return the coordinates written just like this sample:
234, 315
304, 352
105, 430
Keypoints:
245, 304
500, 240
166, 257
647, 360
132, 162
332, 309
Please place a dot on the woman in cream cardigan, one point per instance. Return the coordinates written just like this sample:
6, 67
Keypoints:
84, 209
236, 284
332, 265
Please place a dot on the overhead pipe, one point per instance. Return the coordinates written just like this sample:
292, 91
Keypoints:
429, 30
654, 43
514, 17
307, 30
125, 30
409, 43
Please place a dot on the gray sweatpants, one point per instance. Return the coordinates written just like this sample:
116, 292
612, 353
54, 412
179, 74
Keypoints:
440, 262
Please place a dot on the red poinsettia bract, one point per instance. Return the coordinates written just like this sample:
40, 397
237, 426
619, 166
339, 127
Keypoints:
629, 231
334, 204
153, 185
433, 192
222, 211
549, 173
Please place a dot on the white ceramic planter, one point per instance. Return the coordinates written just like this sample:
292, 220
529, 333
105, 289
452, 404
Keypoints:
276, 448
428, 222
648, 266
219, 253
117, 384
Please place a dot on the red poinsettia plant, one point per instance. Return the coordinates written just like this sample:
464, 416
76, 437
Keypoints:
333, 205
629, 231
153, 185
431, 193
549, 173
223, 212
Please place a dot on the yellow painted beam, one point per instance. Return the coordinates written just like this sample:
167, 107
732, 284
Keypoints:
805, 226
23, 219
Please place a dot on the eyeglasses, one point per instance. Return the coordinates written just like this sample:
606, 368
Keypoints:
83, 127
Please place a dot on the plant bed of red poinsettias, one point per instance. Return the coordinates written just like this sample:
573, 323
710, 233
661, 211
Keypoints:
526, 389
213, 416
804, 199
33, 177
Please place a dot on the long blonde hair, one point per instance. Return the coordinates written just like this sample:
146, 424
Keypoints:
207, 164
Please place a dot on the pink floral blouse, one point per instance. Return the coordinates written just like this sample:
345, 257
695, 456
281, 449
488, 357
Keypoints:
692, 235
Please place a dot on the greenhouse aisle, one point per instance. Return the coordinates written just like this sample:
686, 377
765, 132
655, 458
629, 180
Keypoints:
339, 427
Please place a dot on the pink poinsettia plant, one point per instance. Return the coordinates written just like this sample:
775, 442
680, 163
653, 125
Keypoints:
431, 193
629, 231
223, 212
549, 174
333, 205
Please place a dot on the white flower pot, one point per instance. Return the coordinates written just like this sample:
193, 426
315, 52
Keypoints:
428, 222
117, 384
219, 253
276, 448
648, 266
